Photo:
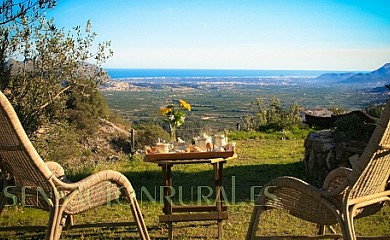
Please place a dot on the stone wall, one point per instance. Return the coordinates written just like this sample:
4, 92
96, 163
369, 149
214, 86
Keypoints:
322, 155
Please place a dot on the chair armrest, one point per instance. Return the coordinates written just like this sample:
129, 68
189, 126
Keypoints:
337, 181
97, 178
56, 169
95, 190
297, 197
292, 185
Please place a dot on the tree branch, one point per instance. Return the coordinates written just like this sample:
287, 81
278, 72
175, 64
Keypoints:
9, 14
55, 97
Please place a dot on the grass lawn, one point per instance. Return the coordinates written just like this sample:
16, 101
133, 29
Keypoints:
258, 161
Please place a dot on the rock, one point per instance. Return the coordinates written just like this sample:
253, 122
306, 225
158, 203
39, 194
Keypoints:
322, 155
330, 163
353, 160
112, 158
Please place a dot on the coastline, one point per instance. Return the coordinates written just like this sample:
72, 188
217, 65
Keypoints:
122, 73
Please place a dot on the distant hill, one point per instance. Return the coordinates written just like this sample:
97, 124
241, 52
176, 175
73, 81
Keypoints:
381, 76
84, 68
334, 77
377, 78
379, 90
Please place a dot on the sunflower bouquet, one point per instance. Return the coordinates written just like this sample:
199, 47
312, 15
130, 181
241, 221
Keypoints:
174, 115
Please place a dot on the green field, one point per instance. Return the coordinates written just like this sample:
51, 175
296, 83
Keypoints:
258, 161
224, 107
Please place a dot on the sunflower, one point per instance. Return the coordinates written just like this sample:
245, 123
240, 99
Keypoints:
175, 115
165, 110
184, 104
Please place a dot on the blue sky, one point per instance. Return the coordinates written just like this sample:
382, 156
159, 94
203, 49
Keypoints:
257, 34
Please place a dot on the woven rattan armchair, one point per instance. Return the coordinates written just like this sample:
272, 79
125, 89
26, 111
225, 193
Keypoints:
346, 193
28, 180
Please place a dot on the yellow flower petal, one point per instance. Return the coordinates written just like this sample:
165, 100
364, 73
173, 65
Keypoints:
184, 104
165, 111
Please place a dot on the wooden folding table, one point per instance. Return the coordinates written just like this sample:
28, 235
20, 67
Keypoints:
185, 213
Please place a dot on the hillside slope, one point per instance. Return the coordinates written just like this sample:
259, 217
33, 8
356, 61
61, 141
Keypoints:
376, 78
381, 76
81, 152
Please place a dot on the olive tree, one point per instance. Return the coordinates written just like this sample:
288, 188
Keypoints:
51, 65
11, 10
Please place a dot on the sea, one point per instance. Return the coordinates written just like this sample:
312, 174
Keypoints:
122, 73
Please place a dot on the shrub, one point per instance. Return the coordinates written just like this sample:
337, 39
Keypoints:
273, 117
60, 143
84, 110
338, 110
375, 110
148, 134
352, 128
117, 119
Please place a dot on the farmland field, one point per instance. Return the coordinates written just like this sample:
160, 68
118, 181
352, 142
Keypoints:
224, 106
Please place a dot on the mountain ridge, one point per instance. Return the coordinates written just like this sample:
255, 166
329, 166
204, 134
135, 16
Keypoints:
378, 77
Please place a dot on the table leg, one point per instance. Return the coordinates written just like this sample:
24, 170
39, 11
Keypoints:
170, 231
167, 177
218, 176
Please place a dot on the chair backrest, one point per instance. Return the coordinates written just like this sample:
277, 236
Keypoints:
18, 156
372, 172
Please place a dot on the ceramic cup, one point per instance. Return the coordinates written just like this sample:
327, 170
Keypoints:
162, 147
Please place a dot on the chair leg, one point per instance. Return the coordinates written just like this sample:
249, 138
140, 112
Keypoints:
350, 226
135, 209
321, 229
60, 222
348, 231
331, 229
254, 222
51, 223
3, 201
69, 221
346, 223
60, 225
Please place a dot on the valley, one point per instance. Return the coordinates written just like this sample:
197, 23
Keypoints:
224, 105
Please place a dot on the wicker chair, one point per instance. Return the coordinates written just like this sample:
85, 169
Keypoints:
346, 193
27, 179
